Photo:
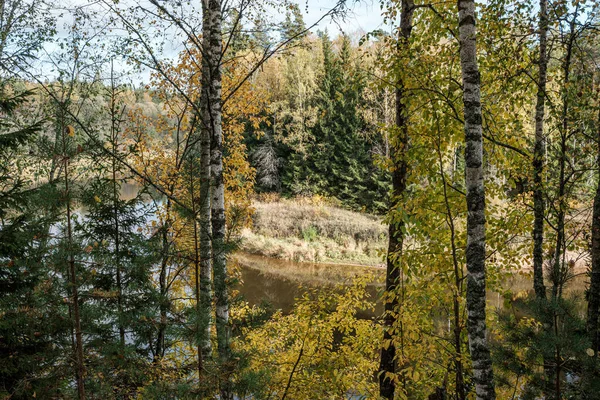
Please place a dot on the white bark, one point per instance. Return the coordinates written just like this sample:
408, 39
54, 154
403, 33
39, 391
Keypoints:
475, 254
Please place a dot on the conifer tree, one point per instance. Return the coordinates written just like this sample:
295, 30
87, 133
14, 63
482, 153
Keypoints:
293, 26
337, 162
32, 328
120, 259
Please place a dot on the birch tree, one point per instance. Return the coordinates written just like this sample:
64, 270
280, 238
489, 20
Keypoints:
475, 253
211, 104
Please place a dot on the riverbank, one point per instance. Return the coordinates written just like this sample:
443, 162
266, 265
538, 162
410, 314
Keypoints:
313, 230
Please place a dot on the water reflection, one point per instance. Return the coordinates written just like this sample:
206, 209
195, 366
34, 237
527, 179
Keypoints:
279, 282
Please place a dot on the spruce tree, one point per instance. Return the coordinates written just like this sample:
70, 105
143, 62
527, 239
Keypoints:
32, 328
293, 26
338, 162
120, 257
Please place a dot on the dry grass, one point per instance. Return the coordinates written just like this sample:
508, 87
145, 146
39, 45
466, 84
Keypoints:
313, 230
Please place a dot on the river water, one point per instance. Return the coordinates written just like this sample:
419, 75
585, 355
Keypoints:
278, 283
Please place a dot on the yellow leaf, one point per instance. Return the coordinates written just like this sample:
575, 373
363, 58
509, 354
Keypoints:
590, 352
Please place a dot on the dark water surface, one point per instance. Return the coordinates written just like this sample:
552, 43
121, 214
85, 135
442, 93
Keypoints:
279, 282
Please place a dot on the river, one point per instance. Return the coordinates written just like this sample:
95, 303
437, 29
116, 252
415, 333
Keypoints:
279, 282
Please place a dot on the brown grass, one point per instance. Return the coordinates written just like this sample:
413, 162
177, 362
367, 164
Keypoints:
314, 230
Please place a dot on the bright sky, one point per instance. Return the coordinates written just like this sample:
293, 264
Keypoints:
364, 16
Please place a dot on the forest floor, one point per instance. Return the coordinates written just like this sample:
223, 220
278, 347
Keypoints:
314, 230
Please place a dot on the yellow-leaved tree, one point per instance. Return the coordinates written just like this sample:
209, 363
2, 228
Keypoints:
167, 155
321, 350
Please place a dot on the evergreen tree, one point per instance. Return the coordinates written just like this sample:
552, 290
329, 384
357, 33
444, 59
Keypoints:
293, 26
259, 38
338, 162
120, 257
233, 32
32, 328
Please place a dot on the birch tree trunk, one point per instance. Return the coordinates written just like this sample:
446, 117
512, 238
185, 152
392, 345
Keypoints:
205, 308
538, 158
212, 52
398, 151
475, 255
212, 86
204, 209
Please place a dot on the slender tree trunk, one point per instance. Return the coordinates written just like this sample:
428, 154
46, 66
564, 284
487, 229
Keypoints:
594, 290
205, 311
559, 250
483, 376
212, 83
116, 198
398, 154
197, 263
162, 281
458, 286
79, 368
538, 158
211, 45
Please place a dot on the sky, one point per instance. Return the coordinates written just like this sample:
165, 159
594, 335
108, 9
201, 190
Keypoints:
364, 15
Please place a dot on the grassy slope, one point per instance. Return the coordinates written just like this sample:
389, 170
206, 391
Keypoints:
309, 230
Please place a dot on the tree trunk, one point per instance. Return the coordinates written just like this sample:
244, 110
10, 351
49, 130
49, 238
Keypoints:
559, 250
458, 284
205, 309
197, 263
162, 281
212, 45
116, 198
164, 304
79, 367
483, 376
594, 290
210, 124
538, 158
398, 150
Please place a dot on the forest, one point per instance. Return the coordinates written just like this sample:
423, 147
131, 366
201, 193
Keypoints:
233, 199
